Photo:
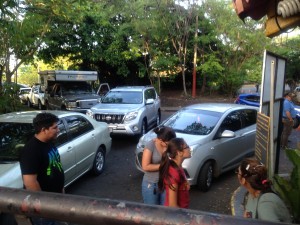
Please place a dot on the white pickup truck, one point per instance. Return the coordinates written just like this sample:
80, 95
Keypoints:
36, 97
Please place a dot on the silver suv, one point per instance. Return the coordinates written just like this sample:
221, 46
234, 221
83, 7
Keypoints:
130, 110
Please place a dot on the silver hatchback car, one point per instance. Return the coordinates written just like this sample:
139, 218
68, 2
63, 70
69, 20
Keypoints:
219, 135
83, 144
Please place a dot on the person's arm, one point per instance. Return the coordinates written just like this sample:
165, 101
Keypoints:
31, 183
173, 192
147, 164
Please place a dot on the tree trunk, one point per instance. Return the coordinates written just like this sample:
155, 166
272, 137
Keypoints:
195, 60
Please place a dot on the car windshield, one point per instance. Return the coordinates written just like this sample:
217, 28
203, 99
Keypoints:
123, 97
13, 137
193, 121
71, 88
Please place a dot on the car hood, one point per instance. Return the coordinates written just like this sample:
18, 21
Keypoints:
10, 175
82, 97
115, 108
191, 140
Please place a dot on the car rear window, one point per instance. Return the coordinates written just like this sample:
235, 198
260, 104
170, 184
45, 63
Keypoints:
123, 97
13, 137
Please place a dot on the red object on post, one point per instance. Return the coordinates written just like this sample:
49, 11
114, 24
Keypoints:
256, 9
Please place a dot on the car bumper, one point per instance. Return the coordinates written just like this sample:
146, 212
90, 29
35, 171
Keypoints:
77, 110
126, 129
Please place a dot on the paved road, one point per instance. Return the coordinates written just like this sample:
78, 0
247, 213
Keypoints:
122, 181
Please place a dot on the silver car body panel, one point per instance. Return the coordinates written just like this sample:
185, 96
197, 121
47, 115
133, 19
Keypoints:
114, 114
225, 152
77, 155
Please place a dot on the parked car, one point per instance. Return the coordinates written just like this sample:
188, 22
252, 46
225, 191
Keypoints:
36, 97
82, 142
23, 94
130, 110
252, 99
220, 135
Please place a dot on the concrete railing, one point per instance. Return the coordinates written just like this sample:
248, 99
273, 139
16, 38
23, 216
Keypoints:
94, 211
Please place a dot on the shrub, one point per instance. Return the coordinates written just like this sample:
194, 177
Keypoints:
289, 188
9, 98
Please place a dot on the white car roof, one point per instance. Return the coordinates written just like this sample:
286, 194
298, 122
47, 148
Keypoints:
218, 107
27, 116
130, 88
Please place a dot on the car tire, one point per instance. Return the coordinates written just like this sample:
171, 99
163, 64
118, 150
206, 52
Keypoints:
158, 118
205, 177
40, 106
29, 103
143, 128
47, 106
99, 162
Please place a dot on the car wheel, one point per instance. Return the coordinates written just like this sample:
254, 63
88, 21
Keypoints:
143, 128
158, 117
99, 162
40, 106
205, 177
48, 106
28, 103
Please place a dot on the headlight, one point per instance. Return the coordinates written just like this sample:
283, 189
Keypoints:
192, 149
71, 104
131, 116
90, 113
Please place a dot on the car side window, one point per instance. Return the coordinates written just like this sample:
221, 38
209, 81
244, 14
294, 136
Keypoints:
62, 137
150, 93
249, 117
78, 125
232, 122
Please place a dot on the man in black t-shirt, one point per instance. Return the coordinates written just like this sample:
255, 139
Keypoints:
40, 161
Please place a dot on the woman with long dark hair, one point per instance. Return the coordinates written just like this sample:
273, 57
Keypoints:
150, 163
172, 178
261, 202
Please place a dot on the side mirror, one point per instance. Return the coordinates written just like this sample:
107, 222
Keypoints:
149, 101
227, 134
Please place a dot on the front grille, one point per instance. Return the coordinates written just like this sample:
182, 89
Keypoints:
109, 118
86, 104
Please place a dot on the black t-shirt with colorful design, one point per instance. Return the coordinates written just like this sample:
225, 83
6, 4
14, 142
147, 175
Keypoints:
43, 159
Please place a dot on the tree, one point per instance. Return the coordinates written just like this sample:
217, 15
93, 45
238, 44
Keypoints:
24, 25
241, 44
289, 49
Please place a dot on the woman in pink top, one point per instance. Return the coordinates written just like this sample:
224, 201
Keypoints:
171, 175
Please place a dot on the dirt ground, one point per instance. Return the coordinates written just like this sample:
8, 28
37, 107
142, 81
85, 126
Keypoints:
175, 98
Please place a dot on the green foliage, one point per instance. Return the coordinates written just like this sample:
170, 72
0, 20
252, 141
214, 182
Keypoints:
9, 99
289, 188
290, 49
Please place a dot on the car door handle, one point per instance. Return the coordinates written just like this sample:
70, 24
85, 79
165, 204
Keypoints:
70, 148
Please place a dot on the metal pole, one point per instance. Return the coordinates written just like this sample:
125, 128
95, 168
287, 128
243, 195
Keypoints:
272, 88
93, 211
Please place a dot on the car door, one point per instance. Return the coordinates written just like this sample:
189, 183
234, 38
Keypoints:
84, 141
66, 151
229, 151
35, 96
56, 96
150, 108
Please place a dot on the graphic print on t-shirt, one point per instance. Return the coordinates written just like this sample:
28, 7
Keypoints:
54, 161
